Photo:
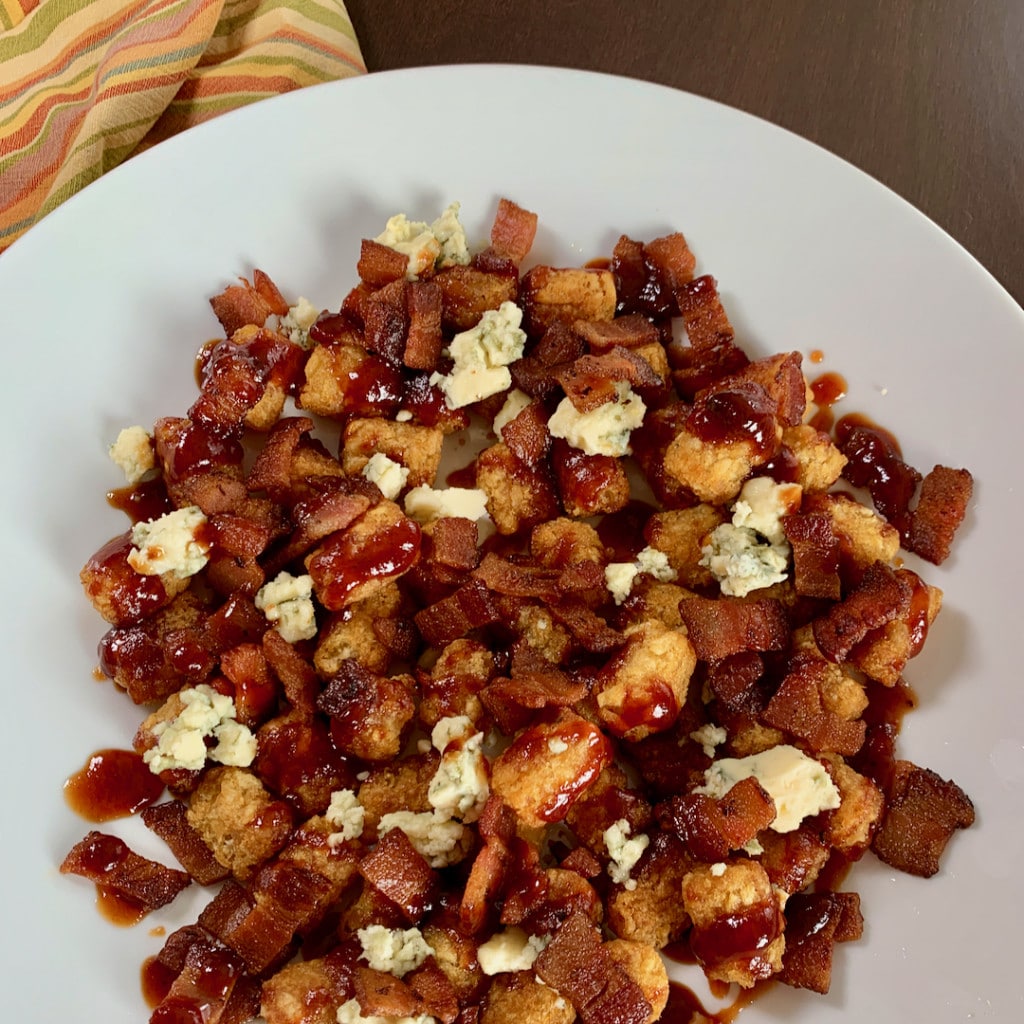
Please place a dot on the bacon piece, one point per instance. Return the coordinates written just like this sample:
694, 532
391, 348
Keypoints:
816, 553
673, 259
111, 864
434, 992
733, 681
453, 543
588, 629
712, 352
396, 870
794, 859
527, 435
245, 303
630, 331
641, 284
719, 627
513, 231
799, 707
318, 517
271, 471
941, 507
782, 378
169, 821
815, 922
469, 608
386, 322
255, 689
881, 596
284, 899
579, 967
203, 988
589, 381
542, 687
922, 813
535, 372
379, 264
505, 577
484, 884
711, 828
582, 862
423, 339
874, 461
298, 678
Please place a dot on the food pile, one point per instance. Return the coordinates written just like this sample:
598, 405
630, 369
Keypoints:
477, 748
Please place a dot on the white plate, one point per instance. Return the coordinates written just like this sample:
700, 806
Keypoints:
105, 303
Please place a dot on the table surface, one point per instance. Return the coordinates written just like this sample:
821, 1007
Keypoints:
925, 95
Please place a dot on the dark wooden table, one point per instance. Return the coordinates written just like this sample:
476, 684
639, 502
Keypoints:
925, 95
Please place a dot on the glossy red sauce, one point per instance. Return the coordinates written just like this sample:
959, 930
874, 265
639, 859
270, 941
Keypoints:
112, 784
156, 980
827, 389
143, 501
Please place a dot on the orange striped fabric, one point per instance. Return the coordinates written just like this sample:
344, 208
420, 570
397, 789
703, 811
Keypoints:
84, 84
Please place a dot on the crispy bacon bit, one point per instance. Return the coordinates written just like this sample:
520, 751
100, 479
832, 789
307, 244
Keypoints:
799, 706
398, 872
815, 555
941, 507
513, 231
467, 609
379, 264
815, 922
589, 381
632, 331
110, 863
733, 681
578, 966
712, 828
203, 988
673, 258
881, 596
783, 380
423, 340
588, 629
242, 304
719, 627
485, 881
284, 898
386, 322
298, 678
527, 435
921, 815
874, 461
707, 325
170, 822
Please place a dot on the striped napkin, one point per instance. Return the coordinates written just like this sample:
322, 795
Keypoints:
85, 84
